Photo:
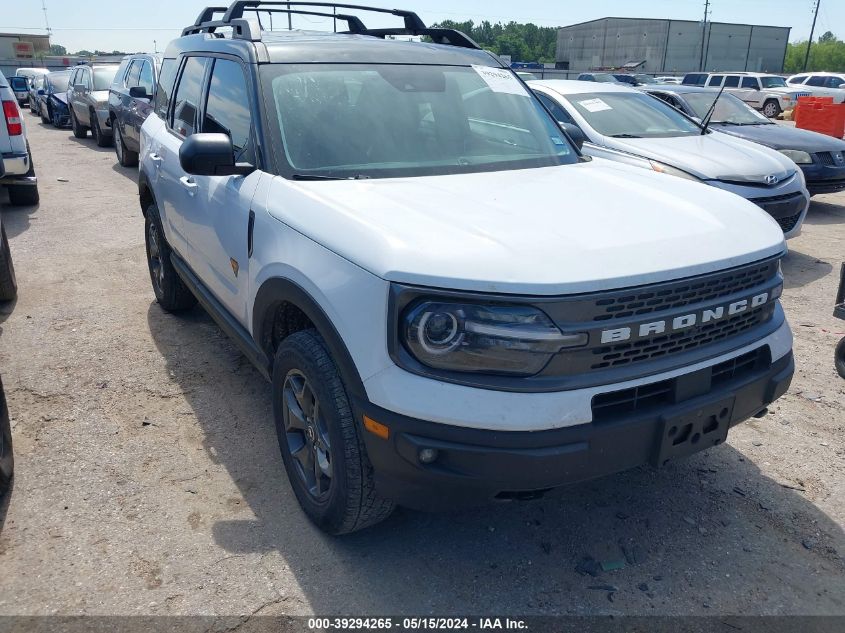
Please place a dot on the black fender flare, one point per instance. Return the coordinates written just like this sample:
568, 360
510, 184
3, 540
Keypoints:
278, 290
145, 191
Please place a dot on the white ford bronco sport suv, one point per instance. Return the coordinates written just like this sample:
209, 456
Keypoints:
451, 303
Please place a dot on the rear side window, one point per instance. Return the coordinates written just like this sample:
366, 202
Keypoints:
227, 109
187, 96
732, 81
715, 80
750, 82
166, 77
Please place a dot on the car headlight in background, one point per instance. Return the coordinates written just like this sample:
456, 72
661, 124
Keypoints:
492, 339
663, 168
798, 157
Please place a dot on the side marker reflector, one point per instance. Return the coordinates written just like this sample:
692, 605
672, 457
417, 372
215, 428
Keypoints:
376, 428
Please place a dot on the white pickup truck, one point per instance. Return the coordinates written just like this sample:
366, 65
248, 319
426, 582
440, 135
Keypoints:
19, 176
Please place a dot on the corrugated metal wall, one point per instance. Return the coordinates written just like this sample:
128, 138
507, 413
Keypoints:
671, 45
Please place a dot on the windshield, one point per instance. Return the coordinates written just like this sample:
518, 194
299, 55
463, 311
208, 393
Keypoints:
59, 81
631, 115
103, 77
347, 121
773, 82
729, 109
605, 78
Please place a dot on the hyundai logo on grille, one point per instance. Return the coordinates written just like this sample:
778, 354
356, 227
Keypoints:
772, 179
684, 321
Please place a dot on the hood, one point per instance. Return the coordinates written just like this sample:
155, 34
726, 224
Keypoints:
712, 156
783, 137
100, 96
60, 96
556, 230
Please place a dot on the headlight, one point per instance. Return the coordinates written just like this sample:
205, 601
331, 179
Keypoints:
662, 168
515, 340
797, 156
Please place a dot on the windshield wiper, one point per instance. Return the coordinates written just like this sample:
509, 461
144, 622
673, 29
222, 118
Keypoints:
319, 177
624, 136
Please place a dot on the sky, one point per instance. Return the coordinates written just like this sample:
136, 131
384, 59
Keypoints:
134, 25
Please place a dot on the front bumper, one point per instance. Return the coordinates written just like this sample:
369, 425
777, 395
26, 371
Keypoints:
787, 202
630, 428
104, 120
824, 178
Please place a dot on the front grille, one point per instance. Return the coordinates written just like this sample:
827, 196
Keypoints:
608, 406
788, 223
826, 158
664, 344
683, 294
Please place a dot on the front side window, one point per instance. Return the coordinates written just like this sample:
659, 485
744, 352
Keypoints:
85, 78
773, 82
631, 115
145, 77
134, 71
187, 96
103, 77
408, 120
227, 109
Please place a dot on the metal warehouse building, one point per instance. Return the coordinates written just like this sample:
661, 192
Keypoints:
671, 45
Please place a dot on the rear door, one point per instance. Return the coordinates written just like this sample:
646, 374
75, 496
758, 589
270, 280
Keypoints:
176, 195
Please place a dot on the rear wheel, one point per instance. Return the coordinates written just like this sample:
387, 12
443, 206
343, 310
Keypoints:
125, 157
8, 281
771, 108
319, 438
171, 292
839, 359
79, 130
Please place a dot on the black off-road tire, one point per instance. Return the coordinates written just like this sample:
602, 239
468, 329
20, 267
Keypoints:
97, 132
839, 357
79, 130
8, 281
352, 502
171, 292
7, 460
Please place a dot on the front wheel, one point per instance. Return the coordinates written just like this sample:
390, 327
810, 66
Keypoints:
839, 358
771, 108
319, 438
8, 281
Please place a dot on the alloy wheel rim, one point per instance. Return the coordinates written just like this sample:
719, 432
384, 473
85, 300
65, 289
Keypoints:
118, 143
156, 267
307, 435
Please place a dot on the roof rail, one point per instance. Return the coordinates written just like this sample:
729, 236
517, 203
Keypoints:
242, 28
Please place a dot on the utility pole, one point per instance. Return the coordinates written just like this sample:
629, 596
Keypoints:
812, 30
46, 21
701, 60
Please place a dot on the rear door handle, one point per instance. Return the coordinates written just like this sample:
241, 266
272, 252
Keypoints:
188, 183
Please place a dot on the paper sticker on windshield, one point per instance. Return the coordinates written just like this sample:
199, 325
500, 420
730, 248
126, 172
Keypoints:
500, 80
594, 105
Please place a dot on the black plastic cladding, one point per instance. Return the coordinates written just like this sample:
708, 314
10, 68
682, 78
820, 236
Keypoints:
584, 367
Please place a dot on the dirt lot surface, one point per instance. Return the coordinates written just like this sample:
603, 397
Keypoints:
149, 479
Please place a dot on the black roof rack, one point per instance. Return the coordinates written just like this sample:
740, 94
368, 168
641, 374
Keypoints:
243, 28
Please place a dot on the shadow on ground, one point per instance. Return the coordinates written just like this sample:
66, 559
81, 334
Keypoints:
800, 269
712, 523
825, 213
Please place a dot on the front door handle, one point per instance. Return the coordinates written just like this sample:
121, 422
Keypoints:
189, 184
155, 158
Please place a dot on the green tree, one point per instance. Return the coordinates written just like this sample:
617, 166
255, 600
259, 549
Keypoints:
523, 42
826, 54
57, 49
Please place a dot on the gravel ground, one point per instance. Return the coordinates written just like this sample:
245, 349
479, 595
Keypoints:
149, 479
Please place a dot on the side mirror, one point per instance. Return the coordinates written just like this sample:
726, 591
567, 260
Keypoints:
211, 155
575, 134
138, 92
41, 91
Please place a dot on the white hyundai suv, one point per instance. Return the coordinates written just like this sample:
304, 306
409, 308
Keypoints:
451, 303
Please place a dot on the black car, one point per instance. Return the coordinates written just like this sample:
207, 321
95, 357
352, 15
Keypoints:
130, 102
52, 99
820, 157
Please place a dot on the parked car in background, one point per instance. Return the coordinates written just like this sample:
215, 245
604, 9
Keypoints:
525, 75
599, 77
820, 157
53, 99
19, 170
88, 97
8, 282
35, 84
820, 85
31, 72
637, 79
764, 92
20, 86
630, 126
666, 79
130, 102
